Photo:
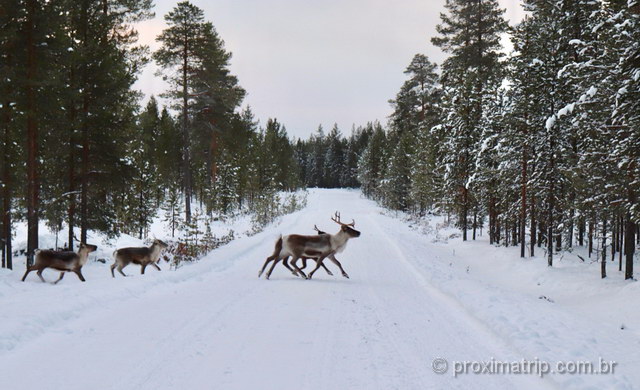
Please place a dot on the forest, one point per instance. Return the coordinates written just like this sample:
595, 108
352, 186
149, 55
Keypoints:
75, 136
538, 145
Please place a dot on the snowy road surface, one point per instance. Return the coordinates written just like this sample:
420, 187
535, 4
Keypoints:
215, 325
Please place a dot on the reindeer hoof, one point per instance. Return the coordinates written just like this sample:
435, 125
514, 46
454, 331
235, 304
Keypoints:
330, 274
345, 275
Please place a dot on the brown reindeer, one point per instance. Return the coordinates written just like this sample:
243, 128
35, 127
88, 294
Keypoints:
63, 261
315, 247
142, 255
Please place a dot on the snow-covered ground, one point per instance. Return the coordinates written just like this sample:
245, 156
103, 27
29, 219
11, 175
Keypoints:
411, 298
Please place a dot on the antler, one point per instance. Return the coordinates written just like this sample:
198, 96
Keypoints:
316, 228
336, 219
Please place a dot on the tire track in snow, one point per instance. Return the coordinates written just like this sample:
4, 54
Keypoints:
455, 309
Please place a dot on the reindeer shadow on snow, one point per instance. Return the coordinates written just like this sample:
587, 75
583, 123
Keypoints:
317, 247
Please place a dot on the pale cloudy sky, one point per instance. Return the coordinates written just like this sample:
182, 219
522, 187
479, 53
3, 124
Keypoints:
311, 62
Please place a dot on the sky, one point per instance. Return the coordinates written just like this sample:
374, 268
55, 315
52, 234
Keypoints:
312, 62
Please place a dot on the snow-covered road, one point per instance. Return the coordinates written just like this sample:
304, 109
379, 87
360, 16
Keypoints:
215, 325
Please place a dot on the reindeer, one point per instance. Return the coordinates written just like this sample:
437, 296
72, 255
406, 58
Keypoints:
331, 257
285, 261
63, 261
315, 247
142, 255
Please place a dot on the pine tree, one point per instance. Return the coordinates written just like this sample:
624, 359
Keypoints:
9, 51
415, 104
183, 45
470, 32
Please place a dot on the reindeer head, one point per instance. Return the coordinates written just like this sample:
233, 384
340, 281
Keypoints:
318, 230
160, 243
88, 247
346, 227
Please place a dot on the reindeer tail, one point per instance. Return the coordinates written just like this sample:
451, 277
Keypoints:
278, 247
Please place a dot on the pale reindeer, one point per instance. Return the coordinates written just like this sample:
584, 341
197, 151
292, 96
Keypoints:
314, 247
331, 257
285, 261
63, 261
138, 255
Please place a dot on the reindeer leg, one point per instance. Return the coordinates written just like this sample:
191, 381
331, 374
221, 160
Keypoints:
156, 265
79, 273
336, 262
326, 269
293, 263
29, 269
264, 266
285, 262
120, 270
144, 266
60, 278
113, 266
318, 265
40, 275
275, 262
304, 263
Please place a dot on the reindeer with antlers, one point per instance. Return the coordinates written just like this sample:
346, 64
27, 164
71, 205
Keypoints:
331, 257
314, 247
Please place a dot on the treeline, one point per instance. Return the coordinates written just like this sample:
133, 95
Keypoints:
79, 151
331, 160
542, 146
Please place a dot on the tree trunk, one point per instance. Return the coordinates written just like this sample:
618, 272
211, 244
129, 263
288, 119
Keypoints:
71, 210
541, 232
141, 220
570, 227
465, 211
32, 134
614, 238
622, 247
581, 231
84, 169
590, 238
603, 263
550, 236
475, 222
533, 228
523, 204
186, 172
629, 248
7, 255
